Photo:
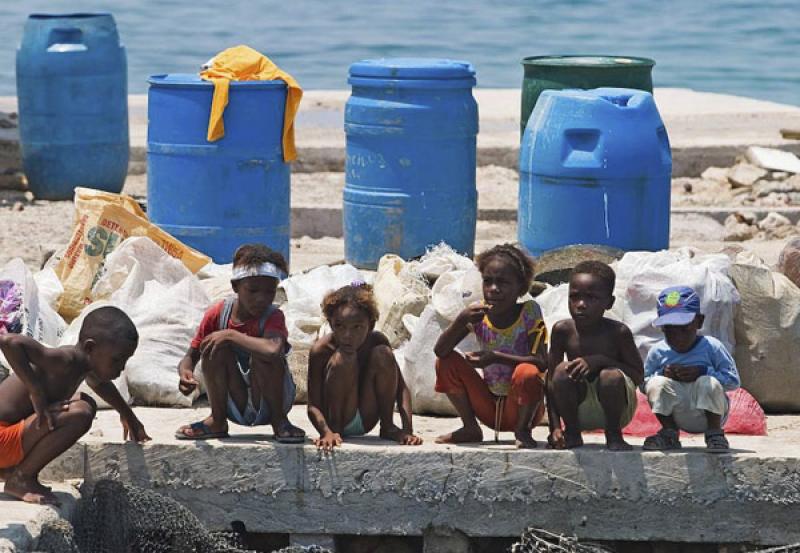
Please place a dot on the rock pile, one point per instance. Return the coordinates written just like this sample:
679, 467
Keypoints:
753, 181
11, 176
774, 226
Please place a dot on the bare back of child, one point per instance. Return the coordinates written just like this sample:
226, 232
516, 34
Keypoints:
41, 415
595, 386
354, 382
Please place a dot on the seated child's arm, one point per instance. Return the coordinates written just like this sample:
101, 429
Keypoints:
23, 353
131, 425
724, 368
270, 347
556, 355
187, 382
459, 329
317, 361
653, 366
629, 360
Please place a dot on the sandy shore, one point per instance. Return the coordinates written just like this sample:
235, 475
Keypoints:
30, 229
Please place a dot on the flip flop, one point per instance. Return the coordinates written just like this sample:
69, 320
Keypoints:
200, 430
283, 434
716, 442
664, 440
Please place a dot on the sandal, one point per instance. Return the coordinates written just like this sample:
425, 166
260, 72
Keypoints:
199, 431
716, 442
287, 433
665, 440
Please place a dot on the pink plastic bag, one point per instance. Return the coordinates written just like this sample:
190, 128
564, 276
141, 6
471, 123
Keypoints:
745, 416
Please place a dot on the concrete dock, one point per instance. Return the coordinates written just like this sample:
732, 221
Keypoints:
370, 486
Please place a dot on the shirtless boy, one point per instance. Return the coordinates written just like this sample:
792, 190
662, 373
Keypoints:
41, 415
596, 386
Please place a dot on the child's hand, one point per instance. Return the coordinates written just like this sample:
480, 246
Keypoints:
473, 313
579, 369
688, 373
215, 340
480, 359
556, 439
671, 371
134, 430
328, 441
187, 382
42, 410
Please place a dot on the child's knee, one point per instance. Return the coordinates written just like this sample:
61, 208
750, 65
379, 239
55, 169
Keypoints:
710, 386
611, 380
90, 402
83, 411
449, 364
221, 359
382, 356
657, 385
273, 363
560, 376
526, 375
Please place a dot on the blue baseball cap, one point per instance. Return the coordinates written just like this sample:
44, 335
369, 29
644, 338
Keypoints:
677, 306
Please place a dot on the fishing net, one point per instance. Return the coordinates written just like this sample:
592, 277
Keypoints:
112, 517
793, 548
534, 540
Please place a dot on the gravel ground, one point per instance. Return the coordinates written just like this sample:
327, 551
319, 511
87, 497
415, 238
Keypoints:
31, 228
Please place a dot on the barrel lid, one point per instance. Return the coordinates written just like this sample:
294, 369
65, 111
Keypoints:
76, 15
413, 68
587, 61
194, 80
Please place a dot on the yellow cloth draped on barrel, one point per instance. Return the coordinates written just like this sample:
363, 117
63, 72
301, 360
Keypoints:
242, 63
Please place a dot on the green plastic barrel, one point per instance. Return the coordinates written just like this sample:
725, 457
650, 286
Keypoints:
559, 72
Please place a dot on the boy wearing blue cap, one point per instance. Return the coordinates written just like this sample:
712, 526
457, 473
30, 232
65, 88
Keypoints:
686, 375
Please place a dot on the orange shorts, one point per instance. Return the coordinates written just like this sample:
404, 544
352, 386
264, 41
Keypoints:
455, 376
11, 444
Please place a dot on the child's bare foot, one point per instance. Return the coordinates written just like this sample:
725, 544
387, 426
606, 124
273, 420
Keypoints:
572, 439
556, 439
524, 440
402, 437
29, 490
465, 434
615, 442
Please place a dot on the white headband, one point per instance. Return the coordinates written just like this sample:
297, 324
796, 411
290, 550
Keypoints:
265, 269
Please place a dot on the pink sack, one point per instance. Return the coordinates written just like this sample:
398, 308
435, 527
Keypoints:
745, 417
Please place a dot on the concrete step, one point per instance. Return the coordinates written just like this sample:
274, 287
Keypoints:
373, 487
21, 523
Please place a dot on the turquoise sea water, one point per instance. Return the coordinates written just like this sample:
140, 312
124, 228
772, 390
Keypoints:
731, 46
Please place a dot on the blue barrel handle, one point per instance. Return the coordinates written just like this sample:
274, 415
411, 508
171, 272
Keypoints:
66, 39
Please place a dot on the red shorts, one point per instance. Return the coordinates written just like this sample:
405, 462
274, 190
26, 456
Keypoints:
455, 376
11, 452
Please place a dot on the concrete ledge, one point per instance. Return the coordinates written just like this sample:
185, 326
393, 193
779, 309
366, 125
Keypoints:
370, 486
21, 523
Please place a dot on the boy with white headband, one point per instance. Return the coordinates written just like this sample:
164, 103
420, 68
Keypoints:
242, 342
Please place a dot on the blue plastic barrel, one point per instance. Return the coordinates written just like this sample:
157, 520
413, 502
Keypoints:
216, 196
595, 168
72, 89
411, 126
